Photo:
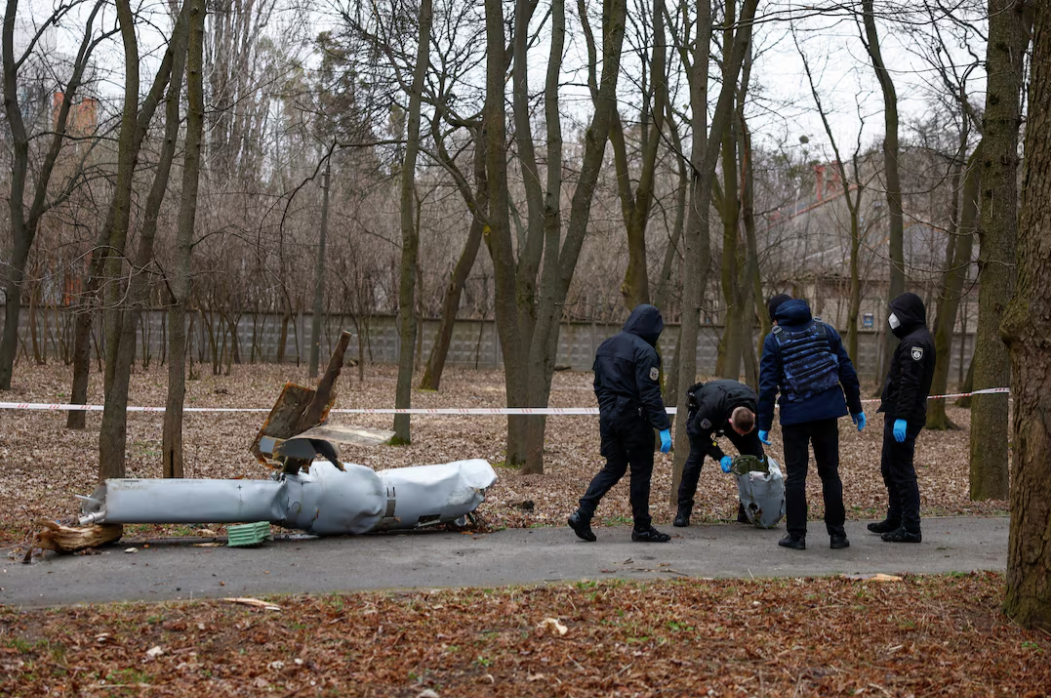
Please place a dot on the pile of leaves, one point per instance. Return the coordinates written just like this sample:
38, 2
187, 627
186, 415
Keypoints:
43, 464
929, 636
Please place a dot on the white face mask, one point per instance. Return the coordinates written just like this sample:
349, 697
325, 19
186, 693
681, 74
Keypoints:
895, 323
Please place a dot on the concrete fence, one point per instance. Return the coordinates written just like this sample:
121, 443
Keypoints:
475, 343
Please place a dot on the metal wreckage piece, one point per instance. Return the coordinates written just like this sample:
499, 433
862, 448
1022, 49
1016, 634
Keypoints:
323, 498
761, 487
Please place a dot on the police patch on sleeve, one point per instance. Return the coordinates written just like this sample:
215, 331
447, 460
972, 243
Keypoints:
705, 424
917, 353
654, 373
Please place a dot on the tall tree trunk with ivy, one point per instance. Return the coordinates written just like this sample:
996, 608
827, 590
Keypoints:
997, 234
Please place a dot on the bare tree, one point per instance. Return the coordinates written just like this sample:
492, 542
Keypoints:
410, 234
892, 176
529, 301
1009, 24
25, 220
636, 206
179, 284
853, 206
319, 277
703, 158
952, 288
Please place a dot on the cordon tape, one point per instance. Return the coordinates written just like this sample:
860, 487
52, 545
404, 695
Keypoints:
55, 407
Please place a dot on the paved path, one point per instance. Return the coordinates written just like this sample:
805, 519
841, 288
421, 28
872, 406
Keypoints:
520, 556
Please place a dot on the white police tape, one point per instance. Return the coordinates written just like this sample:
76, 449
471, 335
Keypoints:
58, 407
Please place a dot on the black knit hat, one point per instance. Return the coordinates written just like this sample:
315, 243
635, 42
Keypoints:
774, 303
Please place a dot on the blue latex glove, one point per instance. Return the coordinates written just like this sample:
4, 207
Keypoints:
763, 435
899, 430
859, 419
665, 440
726, 462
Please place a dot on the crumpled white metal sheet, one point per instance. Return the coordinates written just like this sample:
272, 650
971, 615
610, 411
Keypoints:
763, 495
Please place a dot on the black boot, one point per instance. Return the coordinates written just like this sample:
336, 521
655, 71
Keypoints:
901, 535
838, 539
581, 525
884, 526
650, 535
793, 541
682, 516
742, 517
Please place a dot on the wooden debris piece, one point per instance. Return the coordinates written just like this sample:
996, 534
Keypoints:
257, 603
67, 539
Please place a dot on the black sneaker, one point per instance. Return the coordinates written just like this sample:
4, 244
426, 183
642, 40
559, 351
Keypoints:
741, 516
838, 542
884, 526
682, 516
900, 535
582, 527
793, 541
650, 535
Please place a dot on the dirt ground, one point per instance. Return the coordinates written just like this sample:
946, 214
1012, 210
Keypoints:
43, 464
916, 636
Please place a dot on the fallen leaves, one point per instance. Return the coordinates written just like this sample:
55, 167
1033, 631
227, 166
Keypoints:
831, 636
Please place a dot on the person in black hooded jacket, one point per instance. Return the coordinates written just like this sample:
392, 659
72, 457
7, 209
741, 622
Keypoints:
904, 407
717, 408
627, 385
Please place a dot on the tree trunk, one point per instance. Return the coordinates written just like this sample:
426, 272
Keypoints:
1008, 38
410, 236
560, 264
319, 279
113, 432
728, 362
951, 293
498, 235
84, 314
171, 442
890, 169
1028, 597
704, 155
432, 375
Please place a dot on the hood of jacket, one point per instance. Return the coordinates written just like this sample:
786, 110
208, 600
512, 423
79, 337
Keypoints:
645, 322
910, 311
793, 313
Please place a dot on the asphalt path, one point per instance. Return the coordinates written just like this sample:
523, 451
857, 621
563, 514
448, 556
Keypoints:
185, 570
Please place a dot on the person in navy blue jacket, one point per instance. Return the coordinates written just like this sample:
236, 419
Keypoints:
627, 385
804, 360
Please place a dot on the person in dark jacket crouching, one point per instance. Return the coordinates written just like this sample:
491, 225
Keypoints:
627, 385
804, 360
717, 408
904, 408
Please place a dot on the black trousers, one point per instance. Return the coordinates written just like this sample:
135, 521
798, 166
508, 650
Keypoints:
747, 445
899, 475
823, 435
626, 444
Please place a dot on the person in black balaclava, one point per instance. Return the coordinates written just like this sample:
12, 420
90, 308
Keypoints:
904, 408
627, 385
